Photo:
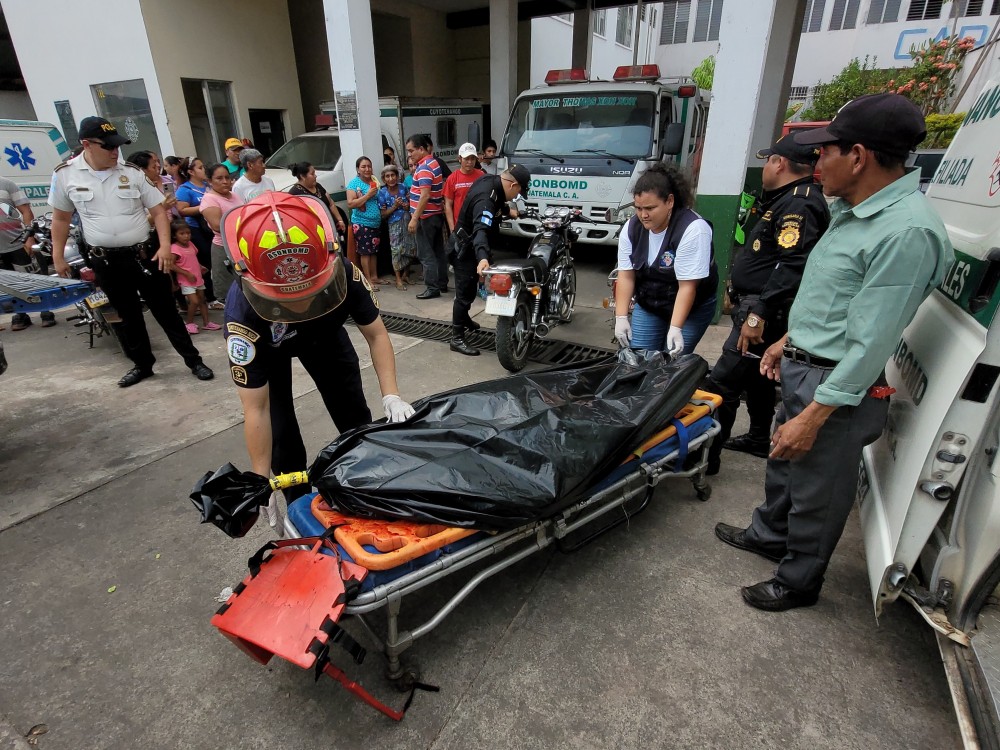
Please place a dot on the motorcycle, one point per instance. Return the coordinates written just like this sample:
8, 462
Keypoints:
94, 312
532, 296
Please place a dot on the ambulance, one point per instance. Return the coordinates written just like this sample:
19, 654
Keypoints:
29, 153
929, 488
586, 142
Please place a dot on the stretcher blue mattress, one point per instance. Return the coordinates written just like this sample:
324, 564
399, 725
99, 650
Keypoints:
300, 511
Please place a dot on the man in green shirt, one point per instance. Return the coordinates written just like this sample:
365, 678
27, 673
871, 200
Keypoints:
885, 251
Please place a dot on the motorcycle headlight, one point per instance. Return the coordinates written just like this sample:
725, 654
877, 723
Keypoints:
619, 215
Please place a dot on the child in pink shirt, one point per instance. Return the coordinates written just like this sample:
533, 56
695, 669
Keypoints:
189, 276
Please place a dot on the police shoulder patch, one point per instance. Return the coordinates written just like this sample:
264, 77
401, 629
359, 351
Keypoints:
241, 330
357, 273
368, 286
239, 374
61, 166
766, 216
788, 235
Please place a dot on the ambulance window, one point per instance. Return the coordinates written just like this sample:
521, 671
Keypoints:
445, 134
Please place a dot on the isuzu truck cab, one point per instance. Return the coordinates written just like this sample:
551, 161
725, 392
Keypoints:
929, 488
586, 142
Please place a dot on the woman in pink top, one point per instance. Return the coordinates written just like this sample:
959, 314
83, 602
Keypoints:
189, 275
219, 199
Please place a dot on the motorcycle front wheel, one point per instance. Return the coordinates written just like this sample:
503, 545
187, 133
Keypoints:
514, 338
567, 298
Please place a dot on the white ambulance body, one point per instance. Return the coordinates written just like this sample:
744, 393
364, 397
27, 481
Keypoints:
929, 488
586, 142
29, 153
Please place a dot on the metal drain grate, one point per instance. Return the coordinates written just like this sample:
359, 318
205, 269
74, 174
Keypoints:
549, 352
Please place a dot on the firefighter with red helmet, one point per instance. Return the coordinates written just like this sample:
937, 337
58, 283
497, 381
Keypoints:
292, 295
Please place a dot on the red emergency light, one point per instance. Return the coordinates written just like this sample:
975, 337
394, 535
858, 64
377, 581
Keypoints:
636, 73
567, 75
687, 91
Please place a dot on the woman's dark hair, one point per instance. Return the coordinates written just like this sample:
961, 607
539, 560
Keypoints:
300, 169
176, 226
141, 158
421, 140
361, 159
182, 165
214, 168
665, 180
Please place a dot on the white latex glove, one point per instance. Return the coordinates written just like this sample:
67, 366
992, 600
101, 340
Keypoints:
623, 330
675, 341
272, 513
396, 410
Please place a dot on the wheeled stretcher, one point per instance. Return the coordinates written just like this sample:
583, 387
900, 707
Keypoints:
372, 565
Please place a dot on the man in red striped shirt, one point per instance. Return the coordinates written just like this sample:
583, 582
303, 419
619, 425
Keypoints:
427, 215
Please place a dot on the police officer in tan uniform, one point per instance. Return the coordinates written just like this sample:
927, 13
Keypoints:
112, 199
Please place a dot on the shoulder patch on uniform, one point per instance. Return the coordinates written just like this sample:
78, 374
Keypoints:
368, 286
241, 350
134, 166
375, 299
802, 190
239, 374
241, 330
357, 273
788, 235
61, 166
766, 217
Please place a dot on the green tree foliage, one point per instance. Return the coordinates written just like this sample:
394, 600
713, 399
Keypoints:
941, 129
704, 74
856, 79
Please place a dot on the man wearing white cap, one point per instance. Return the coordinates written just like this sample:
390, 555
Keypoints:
458, 183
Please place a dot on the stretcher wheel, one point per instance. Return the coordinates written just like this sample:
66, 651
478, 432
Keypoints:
405, 681
702, 489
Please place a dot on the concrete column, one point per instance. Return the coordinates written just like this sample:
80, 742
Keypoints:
503, 63
758, 43
583, 38
352, 64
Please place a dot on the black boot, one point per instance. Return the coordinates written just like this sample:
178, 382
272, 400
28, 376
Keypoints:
472, 325
755, 445
458, 342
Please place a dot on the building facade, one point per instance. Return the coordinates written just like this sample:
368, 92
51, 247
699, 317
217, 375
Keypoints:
832, 33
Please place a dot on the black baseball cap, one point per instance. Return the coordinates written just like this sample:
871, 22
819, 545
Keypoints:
98, 127
883, 122
787, 147
522, 175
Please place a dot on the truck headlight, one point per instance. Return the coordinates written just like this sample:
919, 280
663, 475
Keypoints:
619, 215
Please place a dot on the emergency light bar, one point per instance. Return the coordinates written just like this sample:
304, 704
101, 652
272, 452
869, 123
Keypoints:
567, 75
686, 92
636, 73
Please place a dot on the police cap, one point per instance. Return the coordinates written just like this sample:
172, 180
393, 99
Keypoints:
787, 147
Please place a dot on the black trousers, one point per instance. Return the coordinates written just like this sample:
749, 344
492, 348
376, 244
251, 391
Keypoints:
430, 251
123, 277
735, 374
203, 241
466, 285
335, 370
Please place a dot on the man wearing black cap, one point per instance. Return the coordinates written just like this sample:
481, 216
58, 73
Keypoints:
883, 254
766, 273
112, 199
479, 218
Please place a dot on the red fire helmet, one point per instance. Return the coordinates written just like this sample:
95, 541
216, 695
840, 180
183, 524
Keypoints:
283, 250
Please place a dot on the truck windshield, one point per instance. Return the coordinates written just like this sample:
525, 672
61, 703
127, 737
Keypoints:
322, 151
620, 123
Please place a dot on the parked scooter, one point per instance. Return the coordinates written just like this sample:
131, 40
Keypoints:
533, 295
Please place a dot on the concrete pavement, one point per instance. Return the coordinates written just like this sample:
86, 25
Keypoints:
639, 640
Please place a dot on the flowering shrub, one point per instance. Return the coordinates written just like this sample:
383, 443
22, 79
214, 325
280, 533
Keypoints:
930, 83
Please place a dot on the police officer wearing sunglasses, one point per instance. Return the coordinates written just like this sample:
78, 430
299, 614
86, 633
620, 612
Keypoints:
112, 199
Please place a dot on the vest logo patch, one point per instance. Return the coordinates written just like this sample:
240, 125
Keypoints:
241, 351
667, 259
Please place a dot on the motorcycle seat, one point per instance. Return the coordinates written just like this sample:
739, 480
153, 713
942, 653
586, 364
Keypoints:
537, 266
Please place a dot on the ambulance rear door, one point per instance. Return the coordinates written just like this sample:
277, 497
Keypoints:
29, 152
943, 370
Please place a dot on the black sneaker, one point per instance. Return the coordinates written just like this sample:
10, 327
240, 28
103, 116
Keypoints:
19, 322
48, 319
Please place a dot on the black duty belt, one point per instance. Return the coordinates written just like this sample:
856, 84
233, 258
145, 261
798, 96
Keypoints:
800, 355
98, 251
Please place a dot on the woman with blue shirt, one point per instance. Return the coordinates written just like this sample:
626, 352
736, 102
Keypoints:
366, 219
394, 205
189, 197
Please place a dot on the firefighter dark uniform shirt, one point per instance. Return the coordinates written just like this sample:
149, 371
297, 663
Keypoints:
255, 345
771, 262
